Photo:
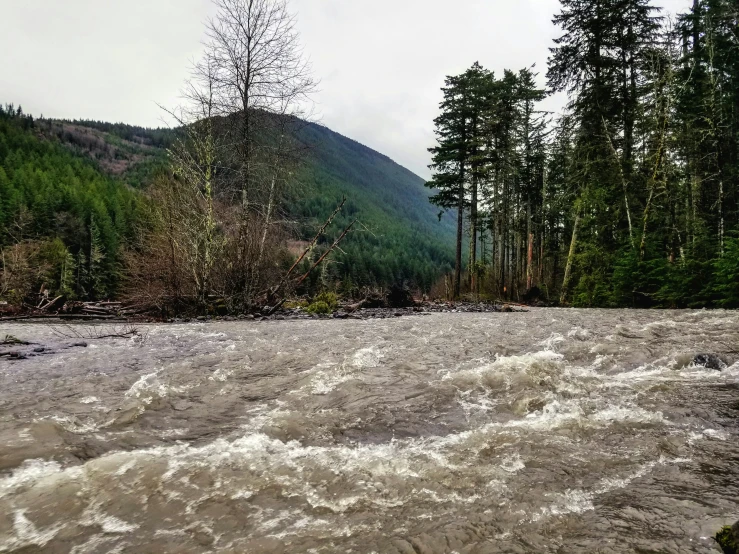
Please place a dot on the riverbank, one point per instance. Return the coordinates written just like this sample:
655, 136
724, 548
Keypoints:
344, 311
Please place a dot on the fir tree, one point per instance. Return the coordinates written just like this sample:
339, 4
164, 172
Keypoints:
451, 158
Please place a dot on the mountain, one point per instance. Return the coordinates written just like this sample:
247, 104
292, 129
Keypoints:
402, 238
399, 237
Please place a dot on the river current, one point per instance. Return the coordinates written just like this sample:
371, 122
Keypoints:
548, 431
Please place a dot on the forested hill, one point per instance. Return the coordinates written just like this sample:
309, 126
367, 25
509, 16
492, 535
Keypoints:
404, 240
399, 238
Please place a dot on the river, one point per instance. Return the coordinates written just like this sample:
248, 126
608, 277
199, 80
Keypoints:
547, 431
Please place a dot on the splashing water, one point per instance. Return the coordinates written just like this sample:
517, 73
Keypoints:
547, 431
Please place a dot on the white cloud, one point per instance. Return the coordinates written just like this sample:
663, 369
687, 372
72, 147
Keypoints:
381, 62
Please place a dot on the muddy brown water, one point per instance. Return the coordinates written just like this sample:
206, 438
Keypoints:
548, 431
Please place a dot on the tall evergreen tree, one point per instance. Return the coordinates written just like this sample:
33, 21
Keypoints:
456, 130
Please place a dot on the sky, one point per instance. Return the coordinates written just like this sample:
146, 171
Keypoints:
380, 63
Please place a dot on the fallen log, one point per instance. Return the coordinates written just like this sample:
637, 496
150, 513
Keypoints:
55, 304
85, 317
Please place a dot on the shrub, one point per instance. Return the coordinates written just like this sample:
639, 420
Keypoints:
725, 539
295, 304
324, 303
319, 308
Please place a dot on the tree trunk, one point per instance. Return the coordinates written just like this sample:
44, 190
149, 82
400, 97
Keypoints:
460, 231
570, 258
530, 263
473, 237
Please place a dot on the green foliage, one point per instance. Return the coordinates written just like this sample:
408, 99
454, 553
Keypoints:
72, 218
324, 303
726, 286
319, 308
632, 198
725, 539
399, 238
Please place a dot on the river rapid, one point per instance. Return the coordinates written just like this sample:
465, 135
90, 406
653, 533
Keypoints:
547, 431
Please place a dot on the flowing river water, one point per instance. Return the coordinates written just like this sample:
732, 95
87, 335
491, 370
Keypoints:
547, 431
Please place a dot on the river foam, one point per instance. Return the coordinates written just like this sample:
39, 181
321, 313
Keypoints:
497, 431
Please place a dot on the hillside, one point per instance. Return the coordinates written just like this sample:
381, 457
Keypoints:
62, 220
404, 240
399, 239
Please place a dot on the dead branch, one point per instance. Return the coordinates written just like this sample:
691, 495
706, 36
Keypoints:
93, 332
310, 247
323, 257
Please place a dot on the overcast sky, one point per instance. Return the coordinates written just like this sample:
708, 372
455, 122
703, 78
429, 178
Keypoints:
381, 63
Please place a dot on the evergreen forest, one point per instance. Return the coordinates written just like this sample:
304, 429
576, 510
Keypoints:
628, 198
76, 202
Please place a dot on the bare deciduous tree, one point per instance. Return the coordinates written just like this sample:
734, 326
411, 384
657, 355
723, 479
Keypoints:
255, 68
245, 99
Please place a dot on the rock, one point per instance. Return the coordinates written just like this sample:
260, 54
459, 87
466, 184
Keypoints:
710, 361
128, 415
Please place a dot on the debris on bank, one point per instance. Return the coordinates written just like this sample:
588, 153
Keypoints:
395, 303
356, 312
57, 308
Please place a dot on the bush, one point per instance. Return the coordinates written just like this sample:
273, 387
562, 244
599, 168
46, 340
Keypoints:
324, 303
319, 308
32, 268
725, 539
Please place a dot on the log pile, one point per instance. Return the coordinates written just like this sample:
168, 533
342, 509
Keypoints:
59, 308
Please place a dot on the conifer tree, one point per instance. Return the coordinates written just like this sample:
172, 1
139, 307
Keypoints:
450, 158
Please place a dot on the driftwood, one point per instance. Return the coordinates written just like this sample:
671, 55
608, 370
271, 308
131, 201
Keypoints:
10, 340
91, 332
86, 317
58, 308
509, 303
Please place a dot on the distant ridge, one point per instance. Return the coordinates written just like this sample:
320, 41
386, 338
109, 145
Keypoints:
401, 240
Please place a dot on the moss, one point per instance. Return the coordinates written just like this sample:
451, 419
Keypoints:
725, 539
